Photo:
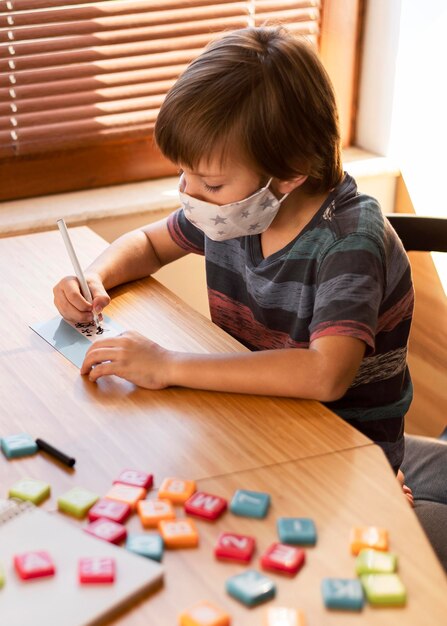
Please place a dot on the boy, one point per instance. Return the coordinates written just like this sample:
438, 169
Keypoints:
301, 268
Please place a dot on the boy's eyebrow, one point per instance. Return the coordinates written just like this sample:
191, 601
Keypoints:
209, 175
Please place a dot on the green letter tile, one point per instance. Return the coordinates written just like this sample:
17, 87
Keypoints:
77, 502
29, 489
384, 589
375, 562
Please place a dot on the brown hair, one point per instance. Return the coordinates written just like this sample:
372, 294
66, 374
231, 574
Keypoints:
262, 93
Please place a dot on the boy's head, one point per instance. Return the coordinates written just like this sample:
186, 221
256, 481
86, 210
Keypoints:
261, 94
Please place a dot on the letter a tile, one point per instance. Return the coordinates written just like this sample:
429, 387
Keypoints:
34, 565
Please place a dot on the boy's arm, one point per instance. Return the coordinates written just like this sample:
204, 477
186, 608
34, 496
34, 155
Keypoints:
323, 372
135, 255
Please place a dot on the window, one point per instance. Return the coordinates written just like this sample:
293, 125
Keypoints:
81, 82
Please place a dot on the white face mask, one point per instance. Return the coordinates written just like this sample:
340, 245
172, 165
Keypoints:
250, 216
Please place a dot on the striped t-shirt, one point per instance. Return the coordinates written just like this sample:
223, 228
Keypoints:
345, 274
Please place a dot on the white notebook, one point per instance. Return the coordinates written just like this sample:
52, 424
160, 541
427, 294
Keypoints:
60, 600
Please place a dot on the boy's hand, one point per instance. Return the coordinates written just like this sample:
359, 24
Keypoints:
130, 356
407, 491
72, 305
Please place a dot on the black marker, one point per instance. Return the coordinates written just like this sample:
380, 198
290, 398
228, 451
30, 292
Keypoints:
60, 456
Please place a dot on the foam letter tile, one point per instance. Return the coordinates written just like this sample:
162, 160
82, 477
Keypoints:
176, 490
204, 614
126, 493
149, 545
283, 559
384, 589
368, 537
375, 562
232, 547
282, 616
107, 530
297, 531
205, 505
153, 511
15, 446
342, 593
135, 479
250, 503
29, 489
2, 576
96, 569
77, 502
180, 533
34, 565
111, 509
251, 587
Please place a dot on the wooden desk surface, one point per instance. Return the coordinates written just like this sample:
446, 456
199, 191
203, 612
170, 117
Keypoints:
319, 466
338, 491
112, 424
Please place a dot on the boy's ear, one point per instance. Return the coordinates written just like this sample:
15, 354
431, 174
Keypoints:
286, 186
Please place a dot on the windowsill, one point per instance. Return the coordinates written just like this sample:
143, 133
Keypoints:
77, 208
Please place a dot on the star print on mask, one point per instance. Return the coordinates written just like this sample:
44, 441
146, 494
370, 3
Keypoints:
219, 220
187, 207
268, 202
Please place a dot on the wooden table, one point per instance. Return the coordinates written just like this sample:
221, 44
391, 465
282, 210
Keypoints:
338, 491
222, 440
108, 425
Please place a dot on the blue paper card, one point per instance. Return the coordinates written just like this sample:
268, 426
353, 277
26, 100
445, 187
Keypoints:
73, 340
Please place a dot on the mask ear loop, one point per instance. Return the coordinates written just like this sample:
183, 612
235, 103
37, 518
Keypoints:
278, 199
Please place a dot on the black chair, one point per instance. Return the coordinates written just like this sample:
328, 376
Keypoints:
425, 234
419, 233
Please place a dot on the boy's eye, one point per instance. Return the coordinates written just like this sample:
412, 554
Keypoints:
212, 189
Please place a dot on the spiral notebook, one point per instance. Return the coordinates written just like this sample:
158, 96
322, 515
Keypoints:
60, 600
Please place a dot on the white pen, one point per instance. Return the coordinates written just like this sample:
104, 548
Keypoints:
76, 266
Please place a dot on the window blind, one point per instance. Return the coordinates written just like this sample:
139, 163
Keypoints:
78, 75
77, 72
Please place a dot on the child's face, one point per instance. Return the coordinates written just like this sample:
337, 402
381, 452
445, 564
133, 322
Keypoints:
221, 183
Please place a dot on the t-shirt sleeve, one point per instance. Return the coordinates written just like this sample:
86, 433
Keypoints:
349, 290
185, 234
